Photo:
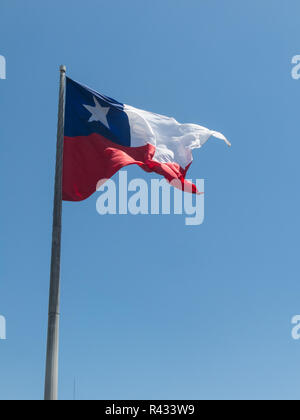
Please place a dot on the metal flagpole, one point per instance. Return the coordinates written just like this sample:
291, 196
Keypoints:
51, 378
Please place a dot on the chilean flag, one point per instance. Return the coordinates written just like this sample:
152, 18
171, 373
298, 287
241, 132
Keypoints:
103, 135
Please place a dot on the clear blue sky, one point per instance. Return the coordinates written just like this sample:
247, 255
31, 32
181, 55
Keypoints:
151, 308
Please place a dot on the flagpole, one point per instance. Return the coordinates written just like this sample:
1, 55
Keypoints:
51, 377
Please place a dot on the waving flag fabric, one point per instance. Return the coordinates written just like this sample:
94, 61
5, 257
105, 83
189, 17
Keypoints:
103, 135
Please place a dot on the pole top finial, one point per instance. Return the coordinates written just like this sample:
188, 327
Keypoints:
63, 69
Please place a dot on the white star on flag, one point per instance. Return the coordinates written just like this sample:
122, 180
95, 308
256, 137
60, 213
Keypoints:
99, 113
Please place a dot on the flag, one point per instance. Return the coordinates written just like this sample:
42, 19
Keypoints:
102, 136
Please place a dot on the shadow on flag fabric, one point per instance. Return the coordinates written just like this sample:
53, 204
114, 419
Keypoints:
103, 135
